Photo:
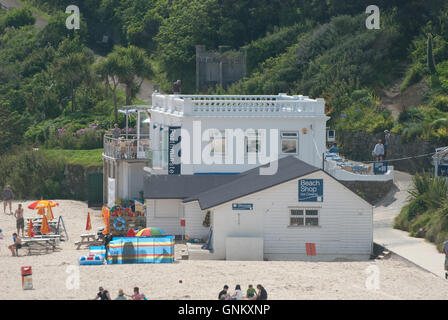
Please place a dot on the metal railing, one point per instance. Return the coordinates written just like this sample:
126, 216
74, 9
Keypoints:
126, 148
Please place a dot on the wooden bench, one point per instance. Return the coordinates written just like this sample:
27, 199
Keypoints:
88, 239
39, 245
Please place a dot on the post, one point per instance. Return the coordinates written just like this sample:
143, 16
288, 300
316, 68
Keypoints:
323, 161
126, 124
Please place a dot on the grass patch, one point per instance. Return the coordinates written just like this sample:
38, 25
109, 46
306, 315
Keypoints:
83, 157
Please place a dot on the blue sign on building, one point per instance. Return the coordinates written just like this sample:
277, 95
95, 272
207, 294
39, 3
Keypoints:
242, 206
380, 167
311, 190
174, 138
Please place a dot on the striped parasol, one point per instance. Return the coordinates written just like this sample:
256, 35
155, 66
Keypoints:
42, 204
149, 232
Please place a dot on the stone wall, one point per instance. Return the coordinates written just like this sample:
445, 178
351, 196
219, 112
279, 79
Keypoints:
358, 146
371, 191
223, 67
75, 180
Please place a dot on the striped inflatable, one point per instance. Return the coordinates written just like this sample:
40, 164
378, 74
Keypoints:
141, 250
98, 250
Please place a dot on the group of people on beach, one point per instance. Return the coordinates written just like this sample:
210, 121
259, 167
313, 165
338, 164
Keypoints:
251, 293
105, 295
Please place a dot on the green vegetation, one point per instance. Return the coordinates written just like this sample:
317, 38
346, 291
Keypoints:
16, 18
426, 214
32, 174
86, 158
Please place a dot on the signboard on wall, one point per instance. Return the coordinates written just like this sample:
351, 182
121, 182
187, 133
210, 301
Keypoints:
242, 206
380, 167
174, 138
311, 190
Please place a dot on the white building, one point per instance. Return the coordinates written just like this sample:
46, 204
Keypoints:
256, 217
274, 126
243, 171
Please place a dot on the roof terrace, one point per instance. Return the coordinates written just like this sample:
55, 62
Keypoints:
280, 105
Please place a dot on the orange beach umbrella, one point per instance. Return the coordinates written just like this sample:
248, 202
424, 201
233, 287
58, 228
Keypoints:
31, 232
45, 228
89, 223
42, 204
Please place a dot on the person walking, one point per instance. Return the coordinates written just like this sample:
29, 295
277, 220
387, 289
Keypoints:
20, 221
378, 151
7, 196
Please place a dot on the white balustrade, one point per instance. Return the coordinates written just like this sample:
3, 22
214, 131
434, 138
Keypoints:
233, 105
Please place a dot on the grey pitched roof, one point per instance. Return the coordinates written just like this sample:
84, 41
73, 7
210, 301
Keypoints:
181, 186
251, 181
214, 189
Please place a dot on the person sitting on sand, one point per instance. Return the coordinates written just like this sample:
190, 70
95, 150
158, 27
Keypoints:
223, 294
251, 293
20, 221
16, 245
238, 295
262, 294
102, 294
121, 295
137, 295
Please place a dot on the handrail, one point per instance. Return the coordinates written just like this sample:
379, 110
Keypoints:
131, 148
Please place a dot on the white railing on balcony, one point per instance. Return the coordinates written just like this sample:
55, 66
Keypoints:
238, 105
131, 148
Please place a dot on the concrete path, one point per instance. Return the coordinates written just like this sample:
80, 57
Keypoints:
415, 250
40, 23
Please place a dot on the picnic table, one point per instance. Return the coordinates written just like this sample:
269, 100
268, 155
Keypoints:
41, 244
88, 239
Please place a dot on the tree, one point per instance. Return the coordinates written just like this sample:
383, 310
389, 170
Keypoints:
108, 69
128, 66
134, 64
71, 70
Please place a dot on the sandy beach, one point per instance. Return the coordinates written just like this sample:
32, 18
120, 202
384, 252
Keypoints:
53, 273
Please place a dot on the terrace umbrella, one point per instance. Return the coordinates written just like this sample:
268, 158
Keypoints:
42, 204
149, 232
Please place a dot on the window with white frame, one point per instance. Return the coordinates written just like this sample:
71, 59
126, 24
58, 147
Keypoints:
290, 142
303, 217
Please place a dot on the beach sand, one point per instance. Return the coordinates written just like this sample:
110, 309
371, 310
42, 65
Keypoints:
53, 273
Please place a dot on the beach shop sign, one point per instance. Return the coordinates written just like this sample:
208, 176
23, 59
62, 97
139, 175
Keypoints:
311, 190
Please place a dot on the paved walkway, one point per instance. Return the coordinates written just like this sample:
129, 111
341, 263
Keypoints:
416, 250
40, 23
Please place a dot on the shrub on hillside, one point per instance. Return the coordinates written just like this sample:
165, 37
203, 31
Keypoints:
16, 18
32, 174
